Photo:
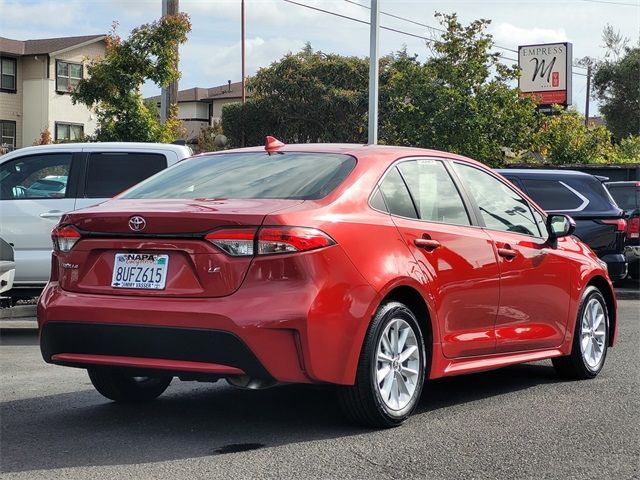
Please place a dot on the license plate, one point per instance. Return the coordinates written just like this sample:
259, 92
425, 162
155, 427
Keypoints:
140, 270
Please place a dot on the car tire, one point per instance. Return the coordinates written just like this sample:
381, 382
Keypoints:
590, 339
390, 401
634, 270
125, 388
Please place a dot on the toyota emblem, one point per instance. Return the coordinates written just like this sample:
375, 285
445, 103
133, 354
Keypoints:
137, 223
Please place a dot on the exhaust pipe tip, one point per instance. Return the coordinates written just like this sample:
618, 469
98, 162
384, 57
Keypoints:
250, 383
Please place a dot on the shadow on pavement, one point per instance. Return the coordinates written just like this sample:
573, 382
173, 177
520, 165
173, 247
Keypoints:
198, 420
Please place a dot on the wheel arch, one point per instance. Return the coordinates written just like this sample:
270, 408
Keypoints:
414, 300
604, 286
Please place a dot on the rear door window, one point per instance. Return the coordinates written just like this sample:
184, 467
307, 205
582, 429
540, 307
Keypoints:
434, 193
626, 196
111, 173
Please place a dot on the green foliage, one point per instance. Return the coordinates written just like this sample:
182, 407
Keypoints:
460, 99
114, 83
628, 150
206, 141
616, 85
564, 139
304, 97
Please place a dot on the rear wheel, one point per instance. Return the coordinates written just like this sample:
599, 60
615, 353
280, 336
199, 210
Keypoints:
391, 370
125, 388
634, 270
590, 339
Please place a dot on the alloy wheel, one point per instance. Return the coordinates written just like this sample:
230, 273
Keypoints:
397, 364
593, 333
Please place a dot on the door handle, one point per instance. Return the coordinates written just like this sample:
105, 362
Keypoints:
427, 244
51, 214
507, 252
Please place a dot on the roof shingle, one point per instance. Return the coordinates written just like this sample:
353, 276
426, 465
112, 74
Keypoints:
43, 45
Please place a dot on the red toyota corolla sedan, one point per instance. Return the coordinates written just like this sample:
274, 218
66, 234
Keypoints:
371, 268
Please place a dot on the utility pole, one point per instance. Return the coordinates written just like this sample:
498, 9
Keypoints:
588, 94
373, 72
169, 95
244, 95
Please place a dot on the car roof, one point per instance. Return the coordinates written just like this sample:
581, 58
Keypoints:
534, 172
180, 150
360, 151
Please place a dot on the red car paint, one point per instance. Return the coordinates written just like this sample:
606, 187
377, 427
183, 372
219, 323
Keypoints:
491, 298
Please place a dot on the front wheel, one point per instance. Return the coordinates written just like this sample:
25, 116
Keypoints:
391, 370
590, 339
125, 388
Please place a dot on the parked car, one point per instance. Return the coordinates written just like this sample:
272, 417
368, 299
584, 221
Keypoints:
39, 184
600, 223
371, 268
7, 272
627, 196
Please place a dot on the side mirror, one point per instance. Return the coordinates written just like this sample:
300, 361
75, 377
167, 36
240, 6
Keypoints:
560, 226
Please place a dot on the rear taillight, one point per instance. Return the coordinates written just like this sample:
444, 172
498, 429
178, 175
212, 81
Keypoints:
633, 228
620, 223
291, 239
64, 238
269, 240
238, 242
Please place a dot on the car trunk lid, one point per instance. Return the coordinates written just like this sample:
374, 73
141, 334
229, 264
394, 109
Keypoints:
166, 235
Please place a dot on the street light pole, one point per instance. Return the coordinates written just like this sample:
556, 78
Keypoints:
588, 94
373, 72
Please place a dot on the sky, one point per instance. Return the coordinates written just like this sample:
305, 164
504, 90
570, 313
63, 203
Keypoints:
274, 27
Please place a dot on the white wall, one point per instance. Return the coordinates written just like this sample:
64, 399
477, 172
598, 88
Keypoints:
61, 108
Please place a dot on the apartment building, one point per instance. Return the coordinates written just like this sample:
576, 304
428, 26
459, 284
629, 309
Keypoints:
200, 107
36, 78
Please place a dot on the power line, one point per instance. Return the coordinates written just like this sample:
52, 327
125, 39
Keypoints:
437, 29
613, 3
402, 32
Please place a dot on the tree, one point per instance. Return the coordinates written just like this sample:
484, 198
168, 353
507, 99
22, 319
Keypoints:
460, 100
115, 81
304, 97
563, 138
616, 85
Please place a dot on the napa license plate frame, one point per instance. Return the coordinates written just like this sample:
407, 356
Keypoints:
145, 271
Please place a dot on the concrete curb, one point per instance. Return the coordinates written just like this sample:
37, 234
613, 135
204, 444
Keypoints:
18, 327
19, 311
627, 294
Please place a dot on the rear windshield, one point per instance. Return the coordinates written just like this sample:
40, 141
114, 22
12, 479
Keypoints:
303, 176
626, 196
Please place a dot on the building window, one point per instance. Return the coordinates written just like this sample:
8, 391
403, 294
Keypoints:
8, 68
69, 131
7, 134
68, 75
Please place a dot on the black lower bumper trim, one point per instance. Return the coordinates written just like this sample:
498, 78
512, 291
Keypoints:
168, 343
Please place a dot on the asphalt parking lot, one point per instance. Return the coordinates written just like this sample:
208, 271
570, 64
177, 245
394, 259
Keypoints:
517, 422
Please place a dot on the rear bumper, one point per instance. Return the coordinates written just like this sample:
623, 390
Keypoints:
282, 324
616, 265
184, 349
